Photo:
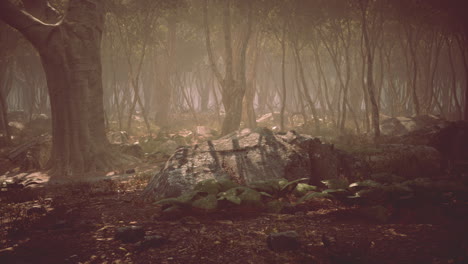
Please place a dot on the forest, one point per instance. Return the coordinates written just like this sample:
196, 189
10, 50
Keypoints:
233, 131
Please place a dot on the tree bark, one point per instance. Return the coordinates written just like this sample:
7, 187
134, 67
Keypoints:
305, 89
463, 43
370, 74
70, 55
283, 76
234, 82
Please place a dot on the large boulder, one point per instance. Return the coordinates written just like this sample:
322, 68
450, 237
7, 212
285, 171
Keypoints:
452, 141
449, 138
399, 126
408, 161
250, 156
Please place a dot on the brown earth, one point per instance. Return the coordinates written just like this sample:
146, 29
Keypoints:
80, 221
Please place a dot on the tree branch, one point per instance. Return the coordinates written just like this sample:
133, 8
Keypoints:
32, 28
209, 48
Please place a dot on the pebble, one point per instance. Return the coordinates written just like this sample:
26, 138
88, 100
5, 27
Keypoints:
283, 241
130, 234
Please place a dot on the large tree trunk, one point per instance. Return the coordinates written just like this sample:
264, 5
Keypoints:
164, 91
70, 54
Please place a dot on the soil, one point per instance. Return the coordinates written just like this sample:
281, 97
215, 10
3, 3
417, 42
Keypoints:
80, 220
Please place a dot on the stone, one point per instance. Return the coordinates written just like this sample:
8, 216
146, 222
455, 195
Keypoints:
206, 204
400, 126
130, 234
152, 241
283, 241
36, 210
407, 161
130, 171
247, 156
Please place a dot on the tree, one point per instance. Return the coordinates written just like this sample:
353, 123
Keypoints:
70, 56
363, 5
234, 82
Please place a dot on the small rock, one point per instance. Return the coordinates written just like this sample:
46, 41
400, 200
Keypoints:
152, 241
130, 171
130, 234
283, 241
36, 210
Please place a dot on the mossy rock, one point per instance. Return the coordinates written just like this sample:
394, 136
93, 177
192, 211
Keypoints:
268, 186
249, 197
336, 183
230, 195
207, 204
275, 206
226, 184
243, 196
303, 188
183, 200
210, 186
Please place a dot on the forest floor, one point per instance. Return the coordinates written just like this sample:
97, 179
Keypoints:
77, 223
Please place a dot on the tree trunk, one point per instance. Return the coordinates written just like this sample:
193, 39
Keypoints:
462, 43
370, 80
70, 55
163, 94
234, 83
305, 89
454, 81
283, 76
4, 120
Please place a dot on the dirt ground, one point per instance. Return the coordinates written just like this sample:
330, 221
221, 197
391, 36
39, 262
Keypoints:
80, 220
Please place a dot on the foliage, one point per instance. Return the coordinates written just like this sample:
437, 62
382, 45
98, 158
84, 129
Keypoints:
210, 195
